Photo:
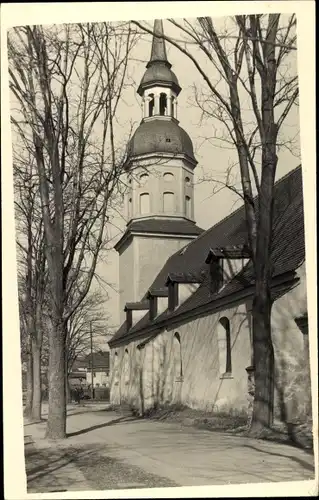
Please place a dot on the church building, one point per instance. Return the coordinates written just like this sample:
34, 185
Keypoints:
186, 294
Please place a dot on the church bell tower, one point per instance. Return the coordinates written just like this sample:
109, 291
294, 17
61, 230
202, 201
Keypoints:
159, 202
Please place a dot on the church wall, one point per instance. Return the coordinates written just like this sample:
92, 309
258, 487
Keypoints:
205, 386
292, 386
190, 369
187, 371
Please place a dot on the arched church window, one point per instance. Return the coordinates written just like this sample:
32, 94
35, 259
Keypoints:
126, 367
188, 207
168, 202
168, 177
163, 104
143, 179
115, 368
144, 203
173, 106
177, 356
225, 346
151, 105
187, 181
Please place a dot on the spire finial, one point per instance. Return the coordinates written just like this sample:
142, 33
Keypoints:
158, 53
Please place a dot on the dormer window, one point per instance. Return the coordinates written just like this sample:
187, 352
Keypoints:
153, 307
222, 260
152, 297
129, 319
216, 274
172, 295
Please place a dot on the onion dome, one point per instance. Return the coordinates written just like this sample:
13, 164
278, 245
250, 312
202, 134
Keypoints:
161, 136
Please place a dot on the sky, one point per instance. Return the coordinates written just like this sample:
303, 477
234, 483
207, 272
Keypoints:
213, 159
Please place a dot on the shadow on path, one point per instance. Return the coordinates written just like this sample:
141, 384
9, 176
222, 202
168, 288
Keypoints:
100, 426
45, 463
35, 422
299, 461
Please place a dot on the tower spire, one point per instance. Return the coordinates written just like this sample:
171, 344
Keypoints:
158, 72
158, 53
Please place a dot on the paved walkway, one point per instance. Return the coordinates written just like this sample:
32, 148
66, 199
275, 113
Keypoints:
147, 453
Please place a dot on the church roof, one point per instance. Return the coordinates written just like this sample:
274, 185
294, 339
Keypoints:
158, 68
288, 252
182, 227
161, 136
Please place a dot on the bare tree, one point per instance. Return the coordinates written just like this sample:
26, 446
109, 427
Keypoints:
246, 65
90, 314
26, 360
32, 272
66, 83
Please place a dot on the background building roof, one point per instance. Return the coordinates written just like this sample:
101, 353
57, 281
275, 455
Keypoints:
101, 359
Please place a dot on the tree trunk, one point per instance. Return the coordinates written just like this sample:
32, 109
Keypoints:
56, 426
36, 397
262, 417
263, 407
67, 388
29, 388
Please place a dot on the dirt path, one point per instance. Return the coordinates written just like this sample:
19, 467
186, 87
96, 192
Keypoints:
109, 451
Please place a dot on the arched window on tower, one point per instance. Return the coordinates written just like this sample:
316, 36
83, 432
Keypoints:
163, 104
143, 179
168, 177
144, 203
188, 207
178, 366
187, 181
224, 347
168, 202
151, 105
173, 106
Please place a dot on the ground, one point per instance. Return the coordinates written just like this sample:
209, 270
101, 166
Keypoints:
106, 450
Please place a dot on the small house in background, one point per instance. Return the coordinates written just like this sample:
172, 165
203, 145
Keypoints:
82, 370
101, 368
77, 378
